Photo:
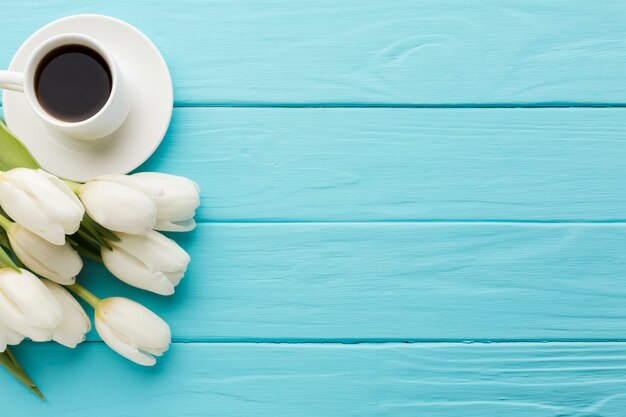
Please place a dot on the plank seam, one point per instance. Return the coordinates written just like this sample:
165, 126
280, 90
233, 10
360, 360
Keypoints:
417, 221
382, 342
556, 105
397, 106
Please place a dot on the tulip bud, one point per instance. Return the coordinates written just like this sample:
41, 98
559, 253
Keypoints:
41, 203
9, 337
151, 262
60, 263
177, 206
27, 306
121, 203
132, 330
75, 324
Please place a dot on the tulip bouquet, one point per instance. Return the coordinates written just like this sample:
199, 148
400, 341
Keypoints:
48, 224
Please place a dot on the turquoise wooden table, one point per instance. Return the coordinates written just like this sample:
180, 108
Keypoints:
410, 208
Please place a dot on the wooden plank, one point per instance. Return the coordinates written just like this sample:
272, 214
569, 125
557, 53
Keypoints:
395, 281
444, 380
348, 52
260, 164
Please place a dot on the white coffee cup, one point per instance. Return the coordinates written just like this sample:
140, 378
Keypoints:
101, 124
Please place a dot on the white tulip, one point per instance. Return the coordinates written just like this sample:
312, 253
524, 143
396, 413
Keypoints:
177, 206
27, 306
151, 262
121, 203
132, 330
41, 203
60, 263
9, 337
75, 324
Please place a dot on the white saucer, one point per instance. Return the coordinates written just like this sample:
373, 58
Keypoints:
142, 131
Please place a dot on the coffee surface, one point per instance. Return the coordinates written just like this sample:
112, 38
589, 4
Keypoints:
72, 83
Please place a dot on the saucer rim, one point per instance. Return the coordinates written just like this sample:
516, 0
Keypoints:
164, 90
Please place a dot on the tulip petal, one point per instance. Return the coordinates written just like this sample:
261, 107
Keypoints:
132, 330
75, 323
180, 199
72, 212
151, 190
160, 178
142, 327
52, 195
122, 347
131, 271
13, 337
152, 261
24, 209
118, 207
156, 251
27, 306
60, 263
8, 337
186, 225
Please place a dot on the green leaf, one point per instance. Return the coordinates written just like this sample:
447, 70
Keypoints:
86, 236
4, 239
77, 241
8, 360
98, 228
85, 248
6, 261
13, 152
87, 251
92, 232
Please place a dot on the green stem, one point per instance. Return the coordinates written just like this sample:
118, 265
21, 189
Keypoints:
74, 186
5, 223
85, 294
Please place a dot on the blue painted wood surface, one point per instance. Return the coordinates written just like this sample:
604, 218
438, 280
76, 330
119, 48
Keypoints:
402, 281
335, 380
351, 52
373, 164
364, 247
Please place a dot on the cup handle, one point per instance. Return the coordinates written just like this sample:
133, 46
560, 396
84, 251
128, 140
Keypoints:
12, 80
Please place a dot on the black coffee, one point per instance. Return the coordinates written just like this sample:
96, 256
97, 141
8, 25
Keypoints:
72, 83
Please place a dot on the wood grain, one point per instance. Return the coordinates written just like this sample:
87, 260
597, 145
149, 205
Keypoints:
326, 229
443, 380
398, 52
261, 164
395, 281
